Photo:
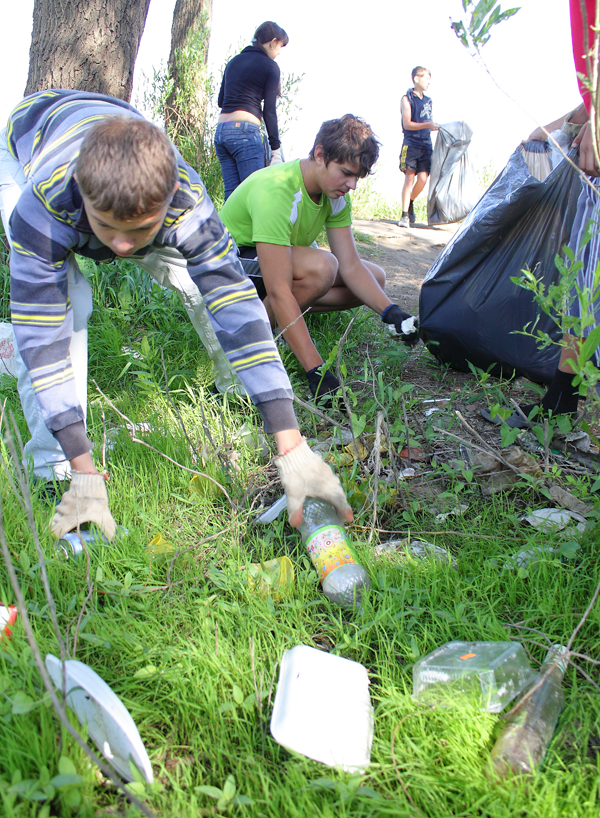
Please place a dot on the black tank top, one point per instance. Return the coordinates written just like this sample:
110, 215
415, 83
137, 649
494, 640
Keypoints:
420, 111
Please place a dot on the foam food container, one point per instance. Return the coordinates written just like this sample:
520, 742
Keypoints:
109, 723
323, 709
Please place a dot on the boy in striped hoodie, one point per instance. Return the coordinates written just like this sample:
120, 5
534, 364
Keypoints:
85, 173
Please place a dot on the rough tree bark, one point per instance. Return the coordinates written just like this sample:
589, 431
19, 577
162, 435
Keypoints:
90, 45
190, 35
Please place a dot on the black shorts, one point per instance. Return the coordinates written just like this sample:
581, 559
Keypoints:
416, 158
249, 261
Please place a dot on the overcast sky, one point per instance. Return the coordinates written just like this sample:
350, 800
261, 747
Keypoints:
356, 57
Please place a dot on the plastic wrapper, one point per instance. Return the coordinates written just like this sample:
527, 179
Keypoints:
470, 310
453, 186
8, 360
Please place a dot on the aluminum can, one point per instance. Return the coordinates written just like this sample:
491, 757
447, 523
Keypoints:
70, 547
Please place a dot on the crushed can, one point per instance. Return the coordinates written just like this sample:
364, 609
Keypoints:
70, 546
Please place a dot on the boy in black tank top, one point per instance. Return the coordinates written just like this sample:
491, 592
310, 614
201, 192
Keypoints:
415, 157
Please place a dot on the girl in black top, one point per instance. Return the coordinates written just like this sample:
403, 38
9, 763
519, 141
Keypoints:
249, 79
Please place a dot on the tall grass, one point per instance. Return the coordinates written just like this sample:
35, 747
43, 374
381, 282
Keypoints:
194, 653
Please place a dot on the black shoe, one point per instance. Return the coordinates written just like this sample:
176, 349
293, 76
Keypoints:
50, 492
411, 212
515, 421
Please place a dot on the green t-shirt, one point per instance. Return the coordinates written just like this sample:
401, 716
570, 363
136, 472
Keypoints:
272, 206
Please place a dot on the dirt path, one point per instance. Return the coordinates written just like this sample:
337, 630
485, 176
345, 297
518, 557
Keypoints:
405, 254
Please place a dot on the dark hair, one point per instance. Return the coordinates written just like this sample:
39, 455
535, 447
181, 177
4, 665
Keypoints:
348, 139
270, 31
126, 165
420, 69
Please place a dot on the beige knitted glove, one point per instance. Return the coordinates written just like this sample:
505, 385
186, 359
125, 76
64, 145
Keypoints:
86, 501
303, 474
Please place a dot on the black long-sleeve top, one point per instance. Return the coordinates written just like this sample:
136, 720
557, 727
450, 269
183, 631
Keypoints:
250, 78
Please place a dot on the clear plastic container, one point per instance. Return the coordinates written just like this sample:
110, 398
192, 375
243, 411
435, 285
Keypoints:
490, 674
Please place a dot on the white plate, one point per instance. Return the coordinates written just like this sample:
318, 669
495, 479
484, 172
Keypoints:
323, 709
109, 723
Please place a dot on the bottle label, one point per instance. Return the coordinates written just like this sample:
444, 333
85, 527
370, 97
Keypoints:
328, 549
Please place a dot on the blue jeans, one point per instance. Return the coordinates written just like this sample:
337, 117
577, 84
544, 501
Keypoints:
240, 150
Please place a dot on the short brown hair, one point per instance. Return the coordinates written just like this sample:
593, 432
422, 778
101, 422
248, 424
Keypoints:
348, 139
418, 70
126, 165
270, 31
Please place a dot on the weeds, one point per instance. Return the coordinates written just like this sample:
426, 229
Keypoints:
194, 654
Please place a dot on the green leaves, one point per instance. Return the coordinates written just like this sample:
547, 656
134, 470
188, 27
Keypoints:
67, 784
227, 797
475, 31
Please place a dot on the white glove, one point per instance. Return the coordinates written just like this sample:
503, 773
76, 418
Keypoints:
86, 501
276, 157
303, 474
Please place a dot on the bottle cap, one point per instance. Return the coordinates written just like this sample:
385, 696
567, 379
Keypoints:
560, 655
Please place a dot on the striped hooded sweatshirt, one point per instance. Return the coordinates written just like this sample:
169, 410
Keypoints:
49, 223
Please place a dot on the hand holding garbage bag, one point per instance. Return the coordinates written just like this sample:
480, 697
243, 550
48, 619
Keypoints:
587, 159
406, 326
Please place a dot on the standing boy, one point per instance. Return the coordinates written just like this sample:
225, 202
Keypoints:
84, 173
415, 157
276, 214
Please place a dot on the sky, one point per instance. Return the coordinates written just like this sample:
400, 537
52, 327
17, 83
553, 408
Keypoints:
357, 57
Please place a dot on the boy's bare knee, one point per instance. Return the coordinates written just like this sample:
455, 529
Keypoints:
379, 275
324, 271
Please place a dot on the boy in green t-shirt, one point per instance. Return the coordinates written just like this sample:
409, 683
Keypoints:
276, 214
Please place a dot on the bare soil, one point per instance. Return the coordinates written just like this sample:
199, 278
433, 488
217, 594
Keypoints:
406, 254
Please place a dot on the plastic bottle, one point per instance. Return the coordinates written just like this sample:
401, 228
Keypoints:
341, 577
522, 744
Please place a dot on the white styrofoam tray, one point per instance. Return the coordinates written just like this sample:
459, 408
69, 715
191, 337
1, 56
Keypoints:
109, 722
323, 709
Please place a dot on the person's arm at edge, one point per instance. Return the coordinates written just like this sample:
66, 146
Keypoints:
578, 117
587, 159
275, 262
221, 96
270, 107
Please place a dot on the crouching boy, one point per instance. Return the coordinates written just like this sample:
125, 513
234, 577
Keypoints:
276, 214
84, 173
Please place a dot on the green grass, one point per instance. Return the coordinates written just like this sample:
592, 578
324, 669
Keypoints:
369, 203
196, 660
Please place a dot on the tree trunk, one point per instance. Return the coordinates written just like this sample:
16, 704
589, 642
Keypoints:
88, 45
190, 35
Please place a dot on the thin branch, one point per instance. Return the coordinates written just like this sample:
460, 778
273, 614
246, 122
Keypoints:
585, 675
404, 787
319, 413
377, 450
176, 410
587, 612
347, 406
90, 586
489, 452
57, 704
134, 439
24, 496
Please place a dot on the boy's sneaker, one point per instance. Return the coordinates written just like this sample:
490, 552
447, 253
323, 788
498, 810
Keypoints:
404, 222
411, 212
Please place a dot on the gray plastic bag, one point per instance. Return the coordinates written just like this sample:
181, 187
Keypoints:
453, 187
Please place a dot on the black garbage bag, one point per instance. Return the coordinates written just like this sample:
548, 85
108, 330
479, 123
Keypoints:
469, 308
453, 187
